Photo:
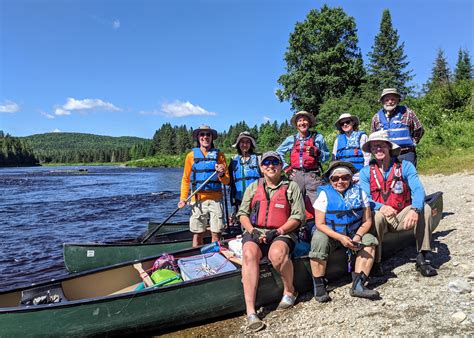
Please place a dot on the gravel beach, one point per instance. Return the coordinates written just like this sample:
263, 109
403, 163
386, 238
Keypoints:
410, 304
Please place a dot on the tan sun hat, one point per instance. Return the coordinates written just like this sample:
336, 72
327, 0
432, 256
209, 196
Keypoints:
339, 164
387, 91
355, 121
312, 120
245, 134
205, 127
381, 135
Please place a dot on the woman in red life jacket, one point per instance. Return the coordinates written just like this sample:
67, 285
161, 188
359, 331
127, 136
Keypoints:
308, 150
271, 211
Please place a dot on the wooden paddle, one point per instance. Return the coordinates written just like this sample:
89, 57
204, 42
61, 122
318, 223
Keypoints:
143, 274
151, 233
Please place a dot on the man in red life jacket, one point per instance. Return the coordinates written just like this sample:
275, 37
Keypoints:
398, 197
272, 209
308, 150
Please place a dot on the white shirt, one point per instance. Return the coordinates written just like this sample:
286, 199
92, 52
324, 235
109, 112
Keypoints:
321, 203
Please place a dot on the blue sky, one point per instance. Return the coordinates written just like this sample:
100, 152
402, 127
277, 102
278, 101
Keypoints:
126, 67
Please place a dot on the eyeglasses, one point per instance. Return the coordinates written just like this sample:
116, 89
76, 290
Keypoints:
375, 146
267, 161
344, 178
342, 123
204, 134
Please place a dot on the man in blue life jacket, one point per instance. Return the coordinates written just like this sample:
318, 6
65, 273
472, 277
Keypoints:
403, 126
200, 164
343, 219
398, 198
272, 209
308, 150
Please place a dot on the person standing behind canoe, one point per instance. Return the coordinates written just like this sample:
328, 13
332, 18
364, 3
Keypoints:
307, 151
403, 126
244, 168
271, 211
348, 144
398, 196
199, 165
343, 218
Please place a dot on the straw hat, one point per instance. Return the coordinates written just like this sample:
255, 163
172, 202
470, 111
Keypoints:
338, 164
387, 91
381, 135
312, 120
345, 116
245, 134
204, 127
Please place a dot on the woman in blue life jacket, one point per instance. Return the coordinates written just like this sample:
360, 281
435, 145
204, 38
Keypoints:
348, 144
243, 168
343, 221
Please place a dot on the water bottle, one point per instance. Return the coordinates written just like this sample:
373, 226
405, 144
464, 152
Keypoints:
398, 188
213, 247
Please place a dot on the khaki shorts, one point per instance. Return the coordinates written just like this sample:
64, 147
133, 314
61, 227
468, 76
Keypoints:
204, 213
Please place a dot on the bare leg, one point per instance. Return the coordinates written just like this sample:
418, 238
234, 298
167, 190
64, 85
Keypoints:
365, 260
251, 255
279, 255
318, 267
215, 236
198, 239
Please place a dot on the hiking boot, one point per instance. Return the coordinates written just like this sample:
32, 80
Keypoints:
287, 301
254, 323
320, 292
424, 266
358, 287
377, 270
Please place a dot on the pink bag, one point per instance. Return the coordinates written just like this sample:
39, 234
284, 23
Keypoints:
165, 261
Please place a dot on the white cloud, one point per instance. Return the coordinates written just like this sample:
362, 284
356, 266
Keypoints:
9, 107
82, 105
182, 109
266, 119
56, 130
116, 24
49, 116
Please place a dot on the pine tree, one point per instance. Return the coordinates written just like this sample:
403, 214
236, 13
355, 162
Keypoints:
387, 60
463, 70
440, 74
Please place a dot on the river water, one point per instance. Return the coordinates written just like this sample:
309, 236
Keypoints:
43, 207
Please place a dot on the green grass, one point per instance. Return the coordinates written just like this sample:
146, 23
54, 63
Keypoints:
458, 160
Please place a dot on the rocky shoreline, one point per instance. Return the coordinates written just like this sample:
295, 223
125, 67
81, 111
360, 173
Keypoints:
410, 304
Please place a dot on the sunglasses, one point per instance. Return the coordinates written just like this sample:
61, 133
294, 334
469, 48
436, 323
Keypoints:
342, 123
204, 134
344, 178
267, 161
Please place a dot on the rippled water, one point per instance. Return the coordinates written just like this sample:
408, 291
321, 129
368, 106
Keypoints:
43, 207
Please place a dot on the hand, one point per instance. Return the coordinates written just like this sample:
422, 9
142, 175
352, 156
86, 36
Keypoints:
410, 220
220, 170
290, 173
388, 211
313, 151
256, 236
270, 236
181, 204
347, 242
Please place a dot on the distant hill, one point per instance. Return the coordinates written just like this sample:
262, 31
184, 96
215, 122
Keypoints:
79, 141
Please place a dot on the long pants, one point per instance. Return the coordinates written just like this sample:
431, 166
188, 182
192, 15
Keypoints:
422, 229
308, 183
410, 156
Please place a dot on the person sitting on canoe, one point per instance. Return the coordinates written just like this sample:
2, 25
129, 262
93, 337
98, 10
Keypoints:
348, 144
244, 168
307, 151
398, 196
272, 209
343, 218
200, 164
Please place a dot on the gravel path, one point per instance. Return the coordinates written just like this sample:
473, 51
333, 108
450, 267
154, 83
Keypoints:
410, 304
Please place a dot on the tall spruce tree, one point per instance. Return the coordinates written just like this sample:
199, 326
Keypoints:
322, 60
387, 61
440, 74
463, 70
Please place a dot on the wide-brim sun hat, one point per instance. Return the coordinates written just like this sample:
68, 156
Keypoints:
339, 164
387, 91
245, 134
345, 116
205, 127
381, 135
311, 118
271, 154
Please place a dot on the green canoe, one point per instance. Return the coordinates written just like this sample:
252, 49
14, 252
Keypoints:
86, 256
100, 301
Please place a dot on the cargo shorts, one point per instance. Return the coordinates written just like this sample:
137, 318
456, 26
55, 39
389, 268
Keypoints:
204, 213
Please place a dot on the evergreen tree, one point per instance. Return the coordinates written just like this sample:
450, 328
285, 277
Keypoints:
322, 60
440, 74
463, 70
387, 60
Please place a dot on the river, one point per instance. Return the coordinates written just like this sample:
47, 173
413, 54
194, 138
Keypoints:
43, 207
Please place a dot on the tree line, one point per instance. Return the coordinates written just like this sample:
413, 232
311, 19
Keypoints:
15, 152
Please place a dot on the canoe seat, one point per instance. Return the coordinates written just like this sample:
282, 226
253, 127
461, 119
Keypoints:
46, 294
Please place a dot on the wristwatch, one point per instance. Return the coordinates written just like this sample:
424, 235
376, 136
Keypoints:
418, 211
